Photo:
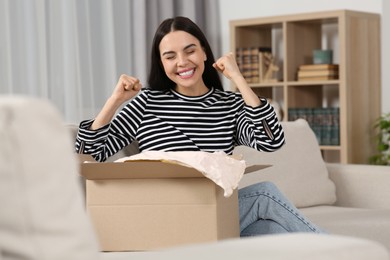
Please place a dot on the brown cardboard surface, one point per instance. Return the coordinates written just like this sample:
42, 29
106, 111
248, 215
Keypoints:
137, 169
156, 169
147, 228
147, 205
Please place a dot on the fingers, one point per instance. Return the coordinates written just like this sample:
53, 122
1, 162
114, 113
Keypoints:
135, 87
219, 67
129, 83
224, 61
227, 65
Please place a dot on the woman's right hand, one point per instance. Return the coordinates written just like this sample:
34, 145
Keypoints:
126, 88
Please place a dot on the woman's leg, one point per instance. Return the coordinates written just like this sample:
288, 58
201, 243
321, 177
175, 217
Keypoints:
263, 208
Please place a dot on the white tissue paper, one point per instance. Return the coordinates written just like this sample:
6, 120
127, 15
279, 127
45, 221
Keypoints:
222, 169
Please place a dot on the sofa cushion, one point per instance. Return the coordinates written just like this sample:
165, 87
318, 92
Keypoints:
43, 215
291, 246
297, 168
372, 224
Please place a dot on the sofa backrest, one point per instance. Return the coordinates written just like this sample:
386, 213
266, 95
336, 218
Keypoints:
297, 168
42, 212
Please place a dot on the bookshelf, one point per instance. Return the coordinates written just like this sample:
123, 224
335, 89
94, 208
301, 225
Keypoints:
354, 38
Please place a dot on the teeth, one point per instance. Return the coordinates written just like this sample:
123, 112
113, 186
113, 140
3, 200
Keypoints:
186, 73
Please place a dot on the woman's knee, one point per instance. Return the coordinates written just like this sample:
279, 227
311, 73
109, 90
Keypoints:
267, 185
263, 227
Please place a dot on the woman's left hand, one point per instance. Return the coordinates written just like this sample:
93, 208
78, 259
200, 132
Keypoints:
227, 65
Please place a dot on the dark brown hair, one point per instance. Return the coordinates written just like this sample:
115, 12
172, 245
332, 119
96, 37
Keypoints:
157, 78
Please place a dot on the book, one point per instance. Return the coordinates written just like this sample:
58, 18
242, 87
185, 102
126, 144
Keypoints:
292, 114
254, 53
335, 126
263, 62
246, 64
326, 126
315, 73
319, 67
240, 58
318, 78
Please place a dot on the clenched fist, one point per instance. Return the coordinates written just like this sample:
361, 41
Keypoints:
126, 88
227, 65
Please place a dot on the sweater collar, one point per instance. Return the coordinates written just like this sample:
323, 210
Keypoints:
193, 98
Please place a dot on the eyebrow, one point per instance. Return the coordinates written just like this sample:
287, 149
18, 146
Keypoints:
185, 48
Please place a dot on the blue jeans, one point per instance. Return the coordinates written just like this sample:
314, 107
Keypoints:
265, 210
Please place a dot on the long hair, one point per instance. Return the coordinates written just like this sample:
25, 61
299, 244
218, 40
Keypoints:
157, 78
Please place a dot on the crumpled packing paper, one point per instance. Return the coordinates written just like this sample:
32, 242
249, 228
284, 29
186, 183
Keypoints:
223, 170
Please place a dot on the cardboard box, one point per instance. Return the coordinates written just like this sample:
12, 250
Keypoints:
146, 205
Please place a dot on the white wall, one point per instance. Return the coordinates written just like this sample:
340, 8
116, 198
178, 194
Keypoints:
233, 9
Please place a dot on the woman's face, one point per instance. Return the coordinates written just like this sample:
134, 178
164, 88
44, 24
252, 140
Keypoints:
183, 58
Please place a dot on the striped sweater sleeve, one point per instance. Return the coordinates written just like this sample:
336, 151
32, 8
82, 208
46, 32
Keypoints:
111, 138
259, 128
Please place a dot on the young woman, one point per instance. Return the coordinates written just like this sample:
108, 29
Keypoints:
185, 108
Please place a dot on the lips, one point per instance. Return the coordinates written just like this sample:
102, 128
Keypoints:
186, 73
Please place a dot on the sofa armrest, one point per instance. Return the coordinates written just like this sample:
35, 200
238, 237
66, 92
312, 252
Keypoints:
362, 186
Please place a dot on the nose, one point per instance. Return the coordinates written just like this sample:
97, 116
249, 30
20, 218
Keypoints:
182, 60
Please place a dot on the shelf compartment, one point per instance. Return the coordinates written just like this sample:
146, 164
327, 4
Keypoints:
302, 37
304, 96
256, 35
249, 36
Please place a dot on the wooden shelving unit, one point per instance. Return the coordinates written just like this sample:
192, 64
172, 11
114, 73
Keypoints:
354, 38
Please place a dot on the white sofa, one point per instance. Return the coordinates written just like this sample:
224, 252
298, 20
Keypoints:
43, 215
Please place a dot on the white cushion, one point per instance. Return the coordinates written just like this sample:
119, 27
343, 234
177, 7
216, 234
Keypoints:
297, 168
42, 214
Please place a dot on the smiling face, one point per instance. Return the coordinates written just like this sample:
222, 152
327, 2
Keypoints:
183, 58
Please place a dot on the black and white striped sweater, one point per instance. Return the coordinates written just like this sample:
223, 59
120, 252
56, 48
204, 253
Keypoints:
169, 121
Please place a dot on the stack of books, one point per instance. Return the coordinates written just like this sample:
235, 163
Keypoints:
318, 72
325, 122
252, 63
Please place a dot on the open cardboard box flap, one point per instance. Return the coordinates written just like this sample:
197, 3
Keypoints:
144, 169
